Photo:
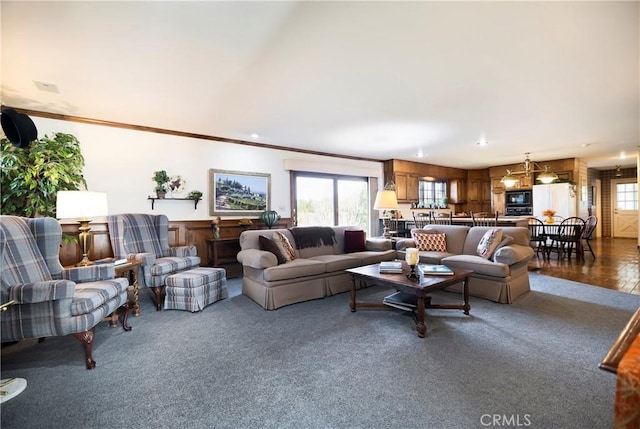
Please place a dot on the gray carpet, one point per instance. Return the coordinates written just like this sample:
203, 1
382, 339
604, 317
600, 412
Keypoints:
317, 365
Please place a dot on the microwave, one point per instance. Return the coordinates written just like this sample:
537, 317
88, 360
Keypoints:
519, 198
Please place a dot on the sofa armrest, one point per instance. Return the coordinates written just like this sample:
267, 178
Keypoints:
513, 253
255, 258
405, 243
91, 273
378, 244
49, 290
183, 251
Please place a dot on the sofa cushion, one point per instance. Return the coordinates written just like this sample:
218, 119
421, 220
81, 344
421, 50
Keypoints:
354, 241
284, 245
269, 245
337, 262
478, 264
489, 242
298, 268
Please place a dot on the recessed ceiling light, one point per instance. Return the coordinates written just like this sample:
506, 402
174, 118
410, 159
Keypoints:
623, 155
47, 87
420, 154
255, 135
482, 143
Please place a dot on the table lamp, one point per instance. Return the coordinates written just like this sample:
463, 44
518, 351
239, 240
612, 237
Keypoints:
82, 205
386, 200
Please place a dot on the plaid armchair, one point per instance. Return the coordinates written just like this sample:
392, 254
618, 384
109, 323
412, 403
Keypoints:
145, 238
49, 300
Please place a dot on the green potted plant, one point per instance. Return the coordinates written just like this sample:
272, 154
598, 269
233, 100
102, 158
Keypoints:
161, 178
30, 178
194, 195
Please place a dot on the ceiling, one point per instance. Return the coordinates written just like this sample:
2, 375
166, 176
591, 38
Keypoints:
378, 80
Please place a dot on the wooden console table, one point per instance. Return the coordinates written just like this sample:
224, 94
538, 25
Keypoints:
222, 253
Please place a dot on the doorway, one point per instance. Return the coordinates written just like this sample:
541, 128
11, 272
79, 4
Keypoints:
624, 206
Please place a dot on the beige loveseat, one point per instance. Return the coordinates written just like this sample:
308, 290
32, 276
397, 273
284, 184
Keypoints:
501, 278
316, 271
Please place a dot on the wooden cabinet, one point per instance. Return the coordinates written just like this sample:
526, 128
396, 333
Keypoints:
486, 192
406, 187
457, 191
222, 253
473, 191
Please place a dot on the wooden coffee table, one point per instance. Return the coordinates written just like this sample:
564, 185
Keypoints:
370, 275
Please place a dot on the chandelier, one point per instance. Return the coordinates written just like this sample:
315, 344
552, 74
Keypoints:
546, 175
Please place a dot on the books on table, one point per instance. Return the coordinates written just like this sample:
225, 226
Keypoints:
435, 270
391, 267
401, 300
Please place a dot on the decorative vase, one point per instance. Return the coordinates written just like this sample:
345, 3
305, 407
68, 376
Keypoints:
270, 217
161, 194
549, 219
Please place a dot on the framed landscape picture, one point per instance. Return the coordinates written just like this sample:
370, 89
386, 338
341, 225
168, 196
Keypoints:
235, 193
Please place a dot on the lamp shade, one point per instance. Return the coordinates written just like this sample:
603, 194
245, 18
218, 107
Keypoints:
386, 200
81, 204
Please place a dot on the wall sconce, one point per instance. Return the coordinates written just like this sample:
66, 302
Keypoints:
546, 176
82, 205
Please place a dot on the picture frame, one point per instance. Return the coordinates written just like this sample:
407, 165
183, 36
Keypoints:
238, 193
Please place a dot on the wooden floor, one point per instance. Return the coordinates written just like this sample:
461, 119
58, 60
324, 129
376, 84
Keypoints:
614, 267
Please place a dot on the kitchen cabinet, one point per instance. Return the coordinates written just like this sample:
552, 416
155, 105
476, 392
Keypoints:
406, 187
457, 191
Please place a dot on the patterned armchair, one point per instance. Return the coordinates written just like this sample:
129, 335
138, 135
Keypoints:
47, 299
145, 238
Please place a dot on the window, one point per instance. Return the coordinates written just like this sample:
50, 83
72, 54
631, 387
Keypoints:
432, 193
627, 196
330, 200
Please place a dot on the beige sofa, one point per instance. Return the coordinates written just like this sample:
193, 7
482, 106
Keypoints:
316, 272
501, 278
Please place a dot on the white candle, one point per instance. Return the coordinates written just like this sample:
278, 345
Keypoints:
412, 256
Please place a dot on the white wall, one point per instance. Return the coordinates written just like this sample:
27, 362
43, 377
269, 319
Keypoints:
121, 162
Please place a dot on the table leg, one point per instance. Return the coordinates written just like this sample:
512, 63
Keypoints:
420, 326
465, 296
352, 304
136, 297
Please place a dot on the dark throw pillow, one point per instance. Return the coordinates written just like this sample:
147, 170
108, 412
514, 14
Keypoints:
354, 241
269, 245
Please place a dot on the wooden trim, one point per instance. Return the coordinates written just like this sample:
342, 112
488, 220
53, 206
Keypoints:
143, 128
621, 345
181, 233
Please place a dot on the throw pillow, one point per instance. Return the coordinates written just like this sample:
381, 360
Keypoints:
489, 242
354, 241
431, 242
506, 240
270, 246
283, 243
417, 231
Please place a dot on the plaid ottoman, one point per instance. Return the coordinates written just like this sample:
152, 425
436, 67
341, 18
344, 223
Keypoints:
194, 289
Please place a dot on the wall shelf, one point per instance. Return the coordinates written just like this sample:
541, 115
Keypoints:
153, 201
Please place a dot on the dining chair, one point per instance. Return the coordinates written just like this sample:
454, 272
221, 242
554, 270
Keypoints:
485, 220
589, 227
538, 238
442, 218
421, 219
569, 238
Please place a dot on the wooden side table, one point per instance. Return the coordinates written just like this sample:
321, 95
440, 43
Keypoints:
222, 253
122, 270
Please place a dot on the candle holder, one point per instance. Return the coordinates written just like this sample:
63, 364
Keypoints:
412, 257
412, 274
